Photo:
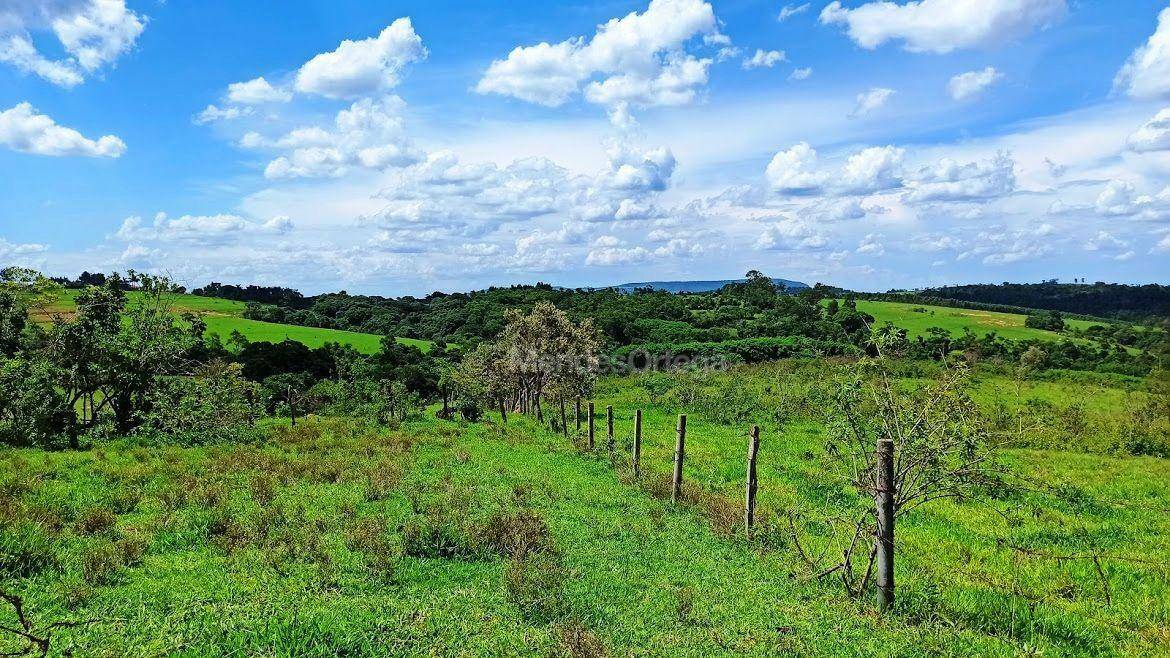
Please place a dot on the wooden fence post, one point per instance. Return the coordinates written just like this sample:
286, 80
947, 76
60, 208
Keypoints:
590, 426
637, 442
679, 456
564, 417
292, 407
609, 443
884, 501
503, 411
749, 506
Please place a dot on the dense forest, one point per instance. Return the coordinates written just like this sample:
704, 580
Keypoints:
1114, 300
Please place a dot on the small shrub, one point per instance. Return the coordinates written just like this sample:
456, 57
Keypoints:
96, 521
580, 642
25, 549
100, 563
515, 534
535, 584
685, 603
371, 537
383, 479
263, 488
131, 548
125, 500
427, 535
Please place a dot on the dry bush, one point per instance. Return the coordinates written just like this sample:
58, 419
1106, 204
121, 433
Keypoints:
263, 488
371, 537
131, 548
724, 515
536, 585
578, 641
101, 563
95, 521
383, 478
126, 498
515, 534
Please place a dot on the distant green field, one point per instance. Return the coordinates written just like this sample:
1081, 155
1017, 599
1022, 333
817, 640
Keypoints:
223, 316
955, 320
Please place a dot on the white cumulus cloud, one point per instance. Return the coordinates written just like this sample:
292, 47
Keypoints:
1146, 74
91, 33
640, 59
23, 129
942, 26
255, 92
362, 68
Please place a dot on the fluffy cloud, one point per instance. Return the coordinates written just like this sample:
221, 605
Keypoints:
93, 33
765, 59
639, 59
872, 169
794, 171
1154, 135
873, 99
1146, 74
362, 68
14, 251
19, 52
198, 229
790, 235
942, 26
368, 134
1120, 199
950, 180
23, 129
972, 83
872, 245
255, 92
1004, 247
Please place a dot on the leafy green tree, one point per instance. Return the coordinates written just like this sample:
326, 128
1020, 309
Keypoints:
34, 411
13, 320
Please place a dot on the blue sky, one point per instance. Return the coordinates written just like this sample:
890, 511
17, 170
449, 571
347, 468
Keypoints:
406, 147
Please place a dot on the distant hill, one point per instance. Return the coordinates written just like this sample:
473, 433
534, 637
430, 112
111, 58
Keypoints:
700, 286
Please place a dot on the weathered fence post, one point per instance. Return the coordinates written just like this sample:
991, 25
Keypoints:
749, 505
637, 442
590, 426
503, 411
564, 418
609, 444
884, 501
292, 407
679, 456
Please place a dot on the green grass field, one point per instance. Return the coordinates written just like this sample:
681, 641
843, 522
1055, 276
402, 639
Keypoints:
224, 316
954, 320
342, 538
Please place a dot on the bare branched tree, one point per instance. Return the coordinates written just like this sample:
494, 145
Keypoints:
941, 451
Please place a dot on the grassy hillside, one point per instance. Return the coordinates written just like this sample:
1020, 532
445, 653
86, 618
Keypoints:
916, 322
223, 316
343, 538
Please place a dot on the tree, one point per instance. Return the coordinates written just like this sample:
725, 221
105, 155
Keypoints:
1049, 320
13, 319
111, 352
539, 354
941, 446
